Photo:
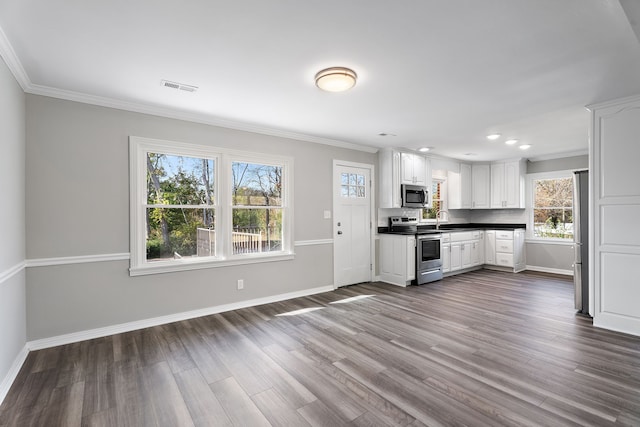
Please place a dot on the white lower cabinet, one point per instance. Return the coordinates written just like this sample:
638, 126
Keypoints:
462, 250
397, 259
445, 252
505, 248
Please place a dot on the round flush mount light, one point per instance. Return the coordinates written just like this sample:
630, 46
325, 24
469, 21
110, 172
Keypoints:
493, 136
525, 146
424, 149
511, 141
336, 79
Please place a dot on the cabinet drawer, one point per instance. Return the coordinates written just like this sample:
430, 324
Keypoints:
504, 246
462, 236
505, 260
446, 238
504, 234
476, 235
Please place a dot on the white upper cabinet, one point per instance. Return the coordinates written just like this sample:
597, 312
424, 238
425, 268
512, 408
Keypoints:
480, 186
389, 176
465, 186
398, 168
459, 187
507, 185
414, 169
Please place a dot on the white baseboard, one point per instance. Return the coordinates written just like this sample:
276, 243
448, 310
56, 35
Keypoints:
549, 270
8, 379
155, 321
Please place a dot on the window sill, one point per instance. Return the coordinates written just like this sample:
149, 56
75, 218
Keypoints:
198, 264
539, 241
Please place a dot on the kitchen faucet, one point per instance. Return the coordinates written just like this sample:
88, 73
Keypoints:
438, 218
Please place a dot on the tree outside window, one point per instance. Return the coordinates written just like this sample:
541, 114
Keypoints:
180, 206
553, 208
257, 207
437, 200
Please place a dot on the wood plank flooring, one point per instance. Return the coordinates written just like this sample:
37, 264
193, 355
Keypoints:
480, 349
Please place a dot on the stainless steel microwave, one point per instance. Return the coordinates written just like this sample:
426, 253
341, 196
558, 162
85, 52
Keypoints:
414, 196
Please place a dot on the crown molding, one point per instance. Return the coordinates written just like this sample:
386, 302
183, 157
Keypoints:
13, 63
18, 71
584, 152
189, 117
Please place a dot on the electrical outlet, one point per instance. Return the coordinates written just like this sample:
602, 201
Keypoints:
240, 284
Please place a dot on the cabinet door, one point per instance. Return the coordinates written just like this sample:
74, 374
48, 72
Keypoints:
389, 188
410, 254
466, 254
513, 185
497, 186
475, 252
456, 256
445, 252
465, 186
490, 247
406, 169
480, 186
420, 171
454, 188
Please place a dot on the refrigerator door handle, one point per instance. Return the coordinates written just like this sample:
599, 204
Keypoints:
577, 282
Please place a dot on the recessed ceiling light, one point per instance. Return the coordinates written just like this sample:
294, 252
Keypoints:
336, 79
525, 146
424, 149
493, 136
511, 141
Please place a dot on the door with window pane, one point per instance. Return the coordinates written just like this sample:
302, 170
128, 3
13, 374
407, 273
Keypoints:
352, 225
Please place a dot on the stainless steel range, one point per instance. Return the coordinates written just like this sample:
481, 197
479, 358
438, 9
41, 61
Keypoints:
428, 244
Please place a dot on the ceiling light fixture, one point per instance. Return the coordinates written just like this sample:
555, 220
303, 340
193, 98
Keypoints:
525, 146
511, 141
424, 149
336, 79
493, 136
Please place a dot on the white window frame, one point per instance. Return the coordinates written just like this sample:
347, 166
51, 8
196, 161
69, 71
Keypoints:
138, 149
530, 189
443, 197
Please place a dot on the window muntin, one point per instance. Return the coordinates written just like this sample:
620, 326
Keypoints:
352, 186
553, 208
191, 187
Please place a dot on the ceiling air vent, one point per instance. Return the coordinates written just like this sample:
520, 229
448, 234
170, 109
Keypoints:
179, 86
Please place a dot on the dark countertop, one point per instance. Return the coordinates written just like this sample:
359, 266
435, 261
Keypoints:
444, 228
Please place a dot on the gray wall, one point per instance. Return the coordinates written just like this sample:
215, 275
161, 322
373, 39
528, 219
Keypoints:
78, 204
562, 164
12, 224
548, 256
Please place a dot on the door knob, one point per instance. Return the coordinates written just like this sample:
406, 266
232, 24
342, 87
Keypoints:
339, 232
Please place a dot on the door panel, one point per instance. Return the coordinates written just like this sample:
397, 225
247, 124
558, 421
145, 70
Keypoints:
352, 225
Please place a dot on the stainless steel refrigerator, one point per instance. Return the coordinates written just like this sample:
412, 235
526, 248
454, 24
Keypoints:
581, 240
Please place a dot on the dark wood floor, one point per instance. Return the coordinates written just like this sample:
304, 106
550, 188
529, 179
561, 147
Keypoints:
480, 349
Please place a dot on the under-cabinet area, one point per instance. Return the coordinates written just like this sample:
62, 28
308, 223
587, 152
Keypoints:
460, 250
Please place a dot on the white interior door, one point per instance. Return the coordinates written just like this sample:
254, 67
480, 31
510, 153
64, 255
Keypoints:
351, 224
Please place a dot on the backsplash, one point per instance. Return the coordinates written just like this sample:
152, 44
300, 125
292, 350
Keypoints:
491, 216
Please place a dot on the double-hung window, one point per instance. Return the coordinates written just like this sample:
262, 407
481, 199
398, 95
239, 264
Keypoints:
438, 193
551, 212
198, 206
